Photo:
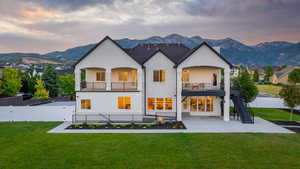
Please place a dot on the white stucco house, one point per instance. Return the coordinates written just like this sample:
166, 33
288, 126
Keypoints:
165, 80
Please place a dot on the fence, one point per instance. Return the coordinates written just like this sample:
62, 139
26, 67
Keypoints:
36, 113
269, 102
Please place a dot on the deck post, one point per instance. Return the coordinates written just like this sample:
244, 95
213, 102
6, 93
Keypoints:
178, 95
227, 94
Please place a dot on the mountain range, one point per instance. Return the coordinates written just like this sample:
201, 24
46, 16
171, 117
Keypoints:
268, 53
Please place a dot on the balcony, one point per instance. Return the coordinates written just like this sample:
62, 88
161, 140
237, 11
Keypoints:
123, 86
92, 86
199, 86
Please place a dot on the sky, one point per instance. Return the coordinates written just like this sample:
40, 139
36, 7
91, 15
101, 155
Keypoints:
51, 25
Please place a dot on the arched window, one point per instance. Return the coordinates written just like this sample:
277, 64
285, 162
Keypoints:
215, 80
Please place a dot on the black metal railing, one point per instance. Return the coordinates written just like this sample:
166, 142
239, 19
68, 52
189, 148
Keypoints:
107, 117
199, 86
92, 86
121, 118
123, 86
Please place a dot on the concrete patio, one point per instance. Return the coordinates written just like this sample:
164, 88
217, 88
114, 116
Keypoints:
193, 125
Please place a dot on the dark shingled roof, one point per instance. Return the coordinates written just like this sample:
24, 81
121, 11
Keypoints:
144, 52
177, 53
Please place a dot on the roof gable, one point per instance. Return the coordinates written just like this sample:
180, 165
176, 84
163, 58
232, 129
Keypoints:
98, 44
198, 47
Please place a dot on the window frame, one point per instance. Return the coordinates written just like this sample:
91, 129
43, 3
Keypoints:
122, 103
86, 104
101, 76
159, 75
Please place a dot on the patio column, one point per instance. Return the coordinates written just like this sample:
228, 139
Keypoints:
178, 95
77, 79
108, 78
227, 94
139, 79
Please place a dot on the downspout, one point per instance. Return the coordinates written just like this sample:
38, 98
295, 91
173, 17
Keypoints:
145, 89
176, 94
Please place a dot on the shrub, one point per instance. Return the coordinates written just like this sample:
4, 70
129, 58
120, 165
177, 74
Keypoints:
41, 92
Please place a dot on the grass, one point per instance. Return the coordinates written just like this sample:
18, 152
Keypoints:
269, 89
26, 145
274, 114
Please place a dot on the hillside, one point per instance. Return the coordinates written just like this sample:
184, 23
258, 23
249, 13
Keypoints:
268, 53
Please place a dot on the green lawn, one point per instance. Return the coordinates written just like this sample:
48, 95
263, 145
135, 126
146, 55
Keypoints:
28, 146
274, 114
269, 89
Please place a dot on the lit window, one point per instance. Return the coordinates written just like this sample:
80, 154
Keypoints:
159, 103
168, 103
100, 76
185, 104
159, 75
209, 104
193, 104
85, 104
124, 102
151, 103
123, 76
201, 104
186, 76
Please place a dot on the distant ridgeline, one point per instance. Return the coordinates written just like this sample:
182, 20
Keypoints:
269, 53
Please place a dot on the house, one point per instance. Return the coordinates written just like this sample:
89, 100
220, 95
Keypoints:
235, 71
161, 80
282, 76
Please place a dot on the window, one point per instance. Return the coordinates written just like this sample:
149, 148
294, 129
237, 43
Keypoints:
201, 104
185, 76
193, 104
214, 79
100, 76
159, 103
209, 104
123, 76
124, 102
85, 104
151, 103
159, 75
168, 103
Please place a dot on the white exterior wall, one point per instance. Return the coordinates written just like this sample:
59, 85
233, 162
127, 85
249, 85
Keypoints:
205, 57
166, 89
108, 56
107, 102
90, 74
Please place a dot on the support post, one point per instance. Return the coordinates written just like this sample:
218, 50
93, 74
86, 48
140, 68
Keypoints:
227, 94
178, 95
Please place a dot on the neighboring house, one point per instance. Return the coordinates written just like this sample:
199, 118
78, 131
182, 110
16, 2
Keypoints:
235, 71
162, 79
282, 76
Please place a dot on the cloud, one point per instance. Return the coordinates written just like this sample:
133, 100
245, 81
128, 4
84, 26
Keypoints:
71, 5
77, 22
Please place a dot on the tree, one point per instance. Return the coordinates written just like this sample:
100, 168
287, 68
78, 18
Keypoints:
246, 86
291, 96
269, 73
294, 76
67, 85
28, 83
11, 83
256, 76
50, 79
40, 91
